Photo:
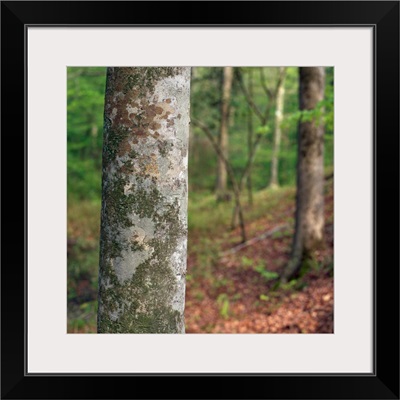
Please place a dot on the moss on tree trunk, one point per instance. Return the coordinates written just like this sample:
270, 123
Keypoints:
310, 173
144, 201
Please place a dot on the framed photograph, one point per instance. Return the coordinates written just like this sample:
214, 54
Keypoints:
50, 51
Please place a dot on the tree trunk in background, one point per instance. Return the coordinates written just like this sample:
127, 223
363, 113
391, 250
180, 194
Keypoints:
310, 174
280, 100
144, 201
250, 140
222, 175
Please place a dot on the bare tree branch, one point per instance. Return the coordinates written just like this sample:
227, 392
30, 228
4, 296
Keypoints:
254, 240
250, 160
281, 78
263, 82
246, 171
249, 99
263, 117
229, 169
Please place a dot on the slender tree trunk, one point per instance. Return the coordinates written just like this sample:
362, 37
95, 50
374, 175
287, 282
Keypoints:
144, 201
280, 99
235, 184
310, 174
247, 170
222, 174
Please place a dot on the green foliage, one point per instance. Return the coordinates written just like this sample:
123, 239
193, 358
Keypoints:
328, 102
85, 109
83, 318
318, 115
199, 295
205, 92
263, 130
294, 284
267, 275
85, 88
247, 262
223, 303
282, 234
83, 249
85, 103
218, 283
204, 211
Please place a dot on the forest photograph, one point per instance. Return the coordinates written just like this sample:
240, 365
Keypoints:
207, 195
200, 199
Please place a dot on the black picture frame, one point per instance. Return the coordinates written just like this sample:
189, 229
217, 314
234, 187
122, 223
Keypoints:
383, 383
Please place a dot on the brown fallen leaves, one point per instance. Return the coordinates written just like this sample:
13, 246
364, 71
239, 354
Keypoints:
231, 296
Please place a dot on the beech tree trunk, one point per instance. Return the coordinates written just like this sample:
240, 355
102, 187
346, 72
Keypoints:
280, 100
222, 174
144, 201
310, 173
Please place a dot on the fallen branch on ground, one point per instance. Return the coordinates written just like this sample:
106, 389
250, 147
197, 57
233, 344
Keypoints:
254, 240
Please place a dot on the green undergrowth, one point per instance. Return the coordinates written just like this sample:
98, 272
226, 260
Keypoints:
83, 236
205, 214
210, 229
209, 233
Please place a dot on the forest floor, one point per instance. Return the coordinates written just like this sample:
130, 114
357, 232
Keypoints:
227, 292
239, 292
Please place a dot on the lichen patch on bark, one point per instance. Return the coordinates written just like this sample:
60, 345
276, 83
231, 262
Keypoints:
144, 203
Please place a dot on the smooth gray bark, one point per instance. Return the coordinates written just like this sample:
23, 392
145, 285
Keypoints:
310, 173
144, 201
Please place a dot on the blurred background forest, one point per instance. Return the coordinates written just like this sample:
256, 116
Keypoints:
250, 117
